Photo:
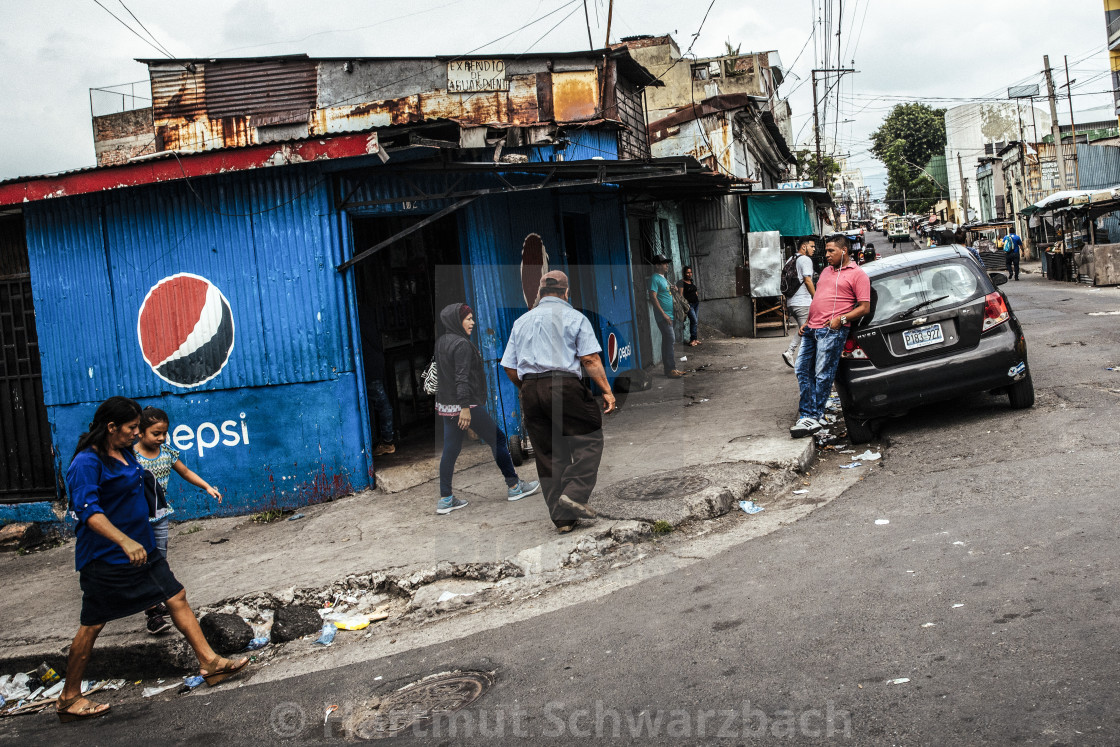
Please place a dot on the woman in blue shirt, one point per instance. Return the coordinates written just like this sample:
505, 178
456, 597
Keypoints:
122, 572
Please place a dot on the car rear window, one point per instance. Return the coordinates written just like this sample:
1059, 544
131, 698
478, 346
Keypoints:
940, 285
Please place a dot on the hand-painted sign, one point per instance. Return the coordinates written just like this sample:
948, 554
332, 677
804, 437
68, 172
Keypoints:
534, 264
795, 185
185, 327
468, 76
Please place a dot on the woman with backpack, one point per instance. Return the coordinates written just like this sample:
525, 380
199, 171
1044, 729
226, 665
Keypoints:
461, 403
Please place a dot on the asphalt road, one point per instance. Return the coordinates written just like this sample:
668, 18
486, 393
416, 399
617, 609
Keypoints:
991, 592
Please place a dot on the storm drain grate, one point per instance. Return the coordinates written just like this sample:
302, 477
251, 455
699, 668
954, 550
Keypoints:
418, 703
669, 486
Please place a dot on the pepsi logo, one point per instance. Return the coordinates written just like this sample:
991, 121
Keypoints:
612, 351
185, 326
534, 264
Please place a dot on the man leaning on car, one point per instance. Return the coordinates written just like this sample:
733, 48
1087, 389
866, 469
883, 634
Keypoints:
843, 295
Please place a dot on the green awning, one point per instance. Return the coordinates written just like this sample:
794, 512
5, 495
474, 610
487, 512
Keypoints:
790, 215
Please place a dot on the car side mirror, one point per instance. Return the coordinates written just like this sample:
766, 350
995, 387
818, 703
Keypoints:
998, 278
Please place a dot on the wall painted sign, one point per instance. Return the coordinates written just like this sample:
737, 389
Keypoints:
795, 185
468, 76
185, 328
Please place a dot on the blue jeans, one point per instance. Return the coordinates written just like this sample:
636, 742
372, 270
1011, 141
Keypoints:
817, 361
693, 320
379, 398
159, 529
491, 435
667, 341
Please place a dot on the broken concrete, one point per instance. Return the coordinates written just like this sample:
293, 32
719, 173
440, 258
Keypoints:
293, 621
679, 495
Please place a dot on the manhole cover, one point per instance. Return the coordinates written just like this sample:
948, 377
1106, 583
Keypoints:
417, 704
669, 486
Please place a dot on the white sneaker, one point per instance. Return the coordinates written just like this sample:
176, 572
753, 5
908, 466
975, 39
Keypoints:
804, 427
788, 358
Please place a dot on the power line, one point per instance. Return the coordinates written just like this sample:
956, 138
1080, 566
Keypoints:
149, 33
134, 31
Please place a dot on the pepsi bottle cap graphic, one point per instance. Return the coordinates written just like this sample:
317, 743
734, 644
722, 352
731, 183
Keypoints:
185, 328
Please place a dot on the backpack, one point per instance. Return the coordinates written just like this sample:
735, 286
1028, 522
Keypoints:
430, 378
790, 282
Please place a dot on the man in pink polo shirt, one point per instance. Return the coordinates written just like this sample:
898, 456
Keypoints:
843, 295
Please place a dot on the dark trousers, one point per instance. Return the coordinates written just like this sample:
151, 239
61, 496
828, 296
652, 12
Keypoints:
490, 434
1012, 265
566, 426
667, 340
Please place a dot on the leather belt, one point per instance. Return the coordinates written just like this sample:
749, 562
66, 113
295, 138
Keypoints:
551, 375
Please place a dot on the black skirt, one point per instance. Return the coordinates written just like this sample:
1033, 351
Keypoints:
110, 592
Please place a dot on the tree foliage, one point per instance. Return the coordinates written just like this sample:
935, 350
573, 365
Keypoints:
807, 167
905, 142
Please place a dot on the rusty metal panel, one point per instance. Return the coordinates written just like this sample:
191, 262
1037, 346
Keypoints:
523, 106
234, 89
201, 134
177, 92
575, 95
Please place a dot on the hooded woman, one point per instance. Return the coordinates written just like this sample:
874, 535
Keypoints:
460, 401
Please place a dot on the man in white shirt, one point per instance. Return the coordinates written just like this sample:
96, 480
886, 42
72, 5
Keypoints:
799, 302
543, 358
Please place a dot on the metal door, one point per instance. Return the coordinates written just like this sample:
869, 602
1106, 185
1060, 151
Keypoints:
26, 460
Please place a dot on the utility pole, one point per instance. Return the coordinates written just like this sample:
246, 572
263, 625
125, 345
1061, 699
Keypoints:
610, 15
1072, 123
905, 209
817, 119
964, 190
1055, 127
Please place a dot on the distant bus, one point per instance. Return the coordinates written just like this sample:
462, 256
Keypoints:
898, 228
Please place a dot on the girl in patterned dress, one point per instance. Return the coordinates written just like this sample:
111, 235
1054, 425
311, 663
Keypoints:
157, 457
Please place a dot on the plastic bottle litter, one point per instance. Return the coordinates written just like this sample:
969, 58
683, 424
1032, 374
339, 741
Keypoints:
193, 681
853, 465
257, 643
295, 517
46, 675
749, 507
899, 681
351, 622
326, 635
800, 492
882, 521
868, 456
157, 689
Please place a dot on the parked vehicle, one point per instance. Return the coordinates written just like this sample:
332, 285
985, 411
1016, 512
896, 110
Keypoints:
898, 229
939, 328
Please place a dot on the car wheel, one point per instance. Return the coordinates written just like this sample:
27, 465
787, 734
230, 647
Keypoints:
515, 452
1021, 393
859, 431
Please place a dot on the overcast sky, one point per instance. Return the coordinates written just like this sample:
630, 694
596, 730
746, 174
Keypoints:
53, 51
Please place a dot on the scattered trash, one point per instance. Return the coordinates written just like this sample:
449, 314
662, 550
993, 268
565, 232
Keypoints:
853, 465
882, 521
219, 541
295, 517
911, 571
958, 542
868, 456
702, 400
351, 622
684, 357
52, 692
330, 709
1113, 368
899, 681
847, 451
378, 677
929, 625
46, 675
157, 689
326, 635
256, 643
800, 492
749, 507
446, 596
193, 681
958, 604
15, 687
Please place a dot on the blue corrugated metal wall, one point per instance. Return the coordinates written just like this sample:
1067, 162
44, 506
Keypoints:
269, 241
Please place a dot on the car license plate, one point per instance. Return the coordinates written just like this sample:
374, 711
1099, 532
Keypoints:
931, 334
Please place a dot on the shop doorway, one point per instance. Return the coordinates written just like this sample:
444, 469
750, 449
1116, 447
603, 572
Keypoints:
400, 292
26, 456
581, 263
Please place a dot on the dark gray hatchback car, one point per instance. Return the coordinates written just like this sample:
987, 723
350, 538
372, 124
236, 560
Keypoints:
939, 328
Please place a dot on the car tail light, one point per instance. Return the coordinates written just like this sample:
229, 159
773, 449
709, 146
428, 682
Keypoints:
995, 311
854, 351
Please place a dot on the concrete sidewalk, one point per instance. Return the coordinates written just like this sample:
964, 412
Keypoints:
735, 406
